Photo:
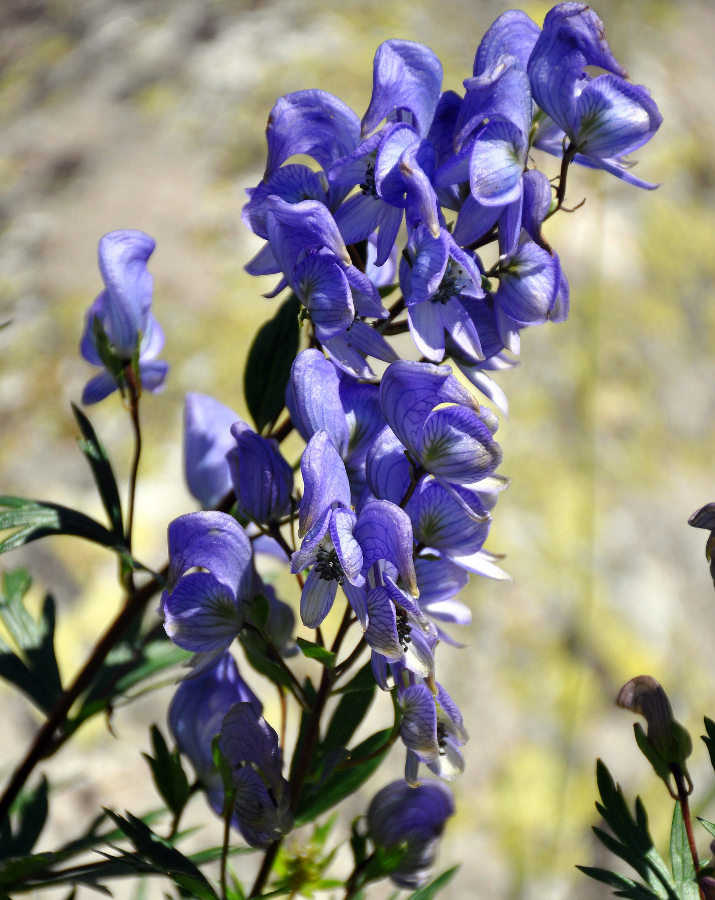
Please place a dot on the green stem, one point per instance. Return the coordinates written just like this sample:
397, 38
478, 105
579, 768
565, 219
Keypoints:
683, 793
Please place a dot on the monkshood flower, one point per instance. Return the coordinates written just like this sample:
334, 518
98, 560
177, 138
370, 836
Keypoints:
438, 281
413, 817
398, 631
532, 289
339, 546
207, 440
120, 330
261, 805
454, 443
605, 117
319, 398
217, 702
432, 729
202, 609
311, 253
262, 479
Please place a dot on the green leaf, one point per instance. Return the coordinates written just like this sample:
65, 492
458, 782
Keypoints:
28, 815
651, 754
708, 826
346, 780
625, 887
357, 696
434, 887
101, 467
261, 658
163, 857
681, 859
34, 670
168, 773
269, 362
632, 841
315, 651
35, 519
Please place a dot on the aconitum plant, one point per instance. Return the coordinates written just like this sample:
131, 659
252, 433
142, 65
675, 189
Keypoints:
425, 218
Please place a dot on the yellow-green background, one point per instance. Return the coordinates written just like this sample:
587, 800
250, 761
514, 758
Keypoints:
150, 115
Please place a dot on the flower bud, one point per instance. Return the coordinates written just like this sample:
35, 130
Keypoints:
413, 817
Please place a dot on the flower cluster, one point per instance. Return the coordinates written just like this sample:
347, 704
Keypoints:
399, 472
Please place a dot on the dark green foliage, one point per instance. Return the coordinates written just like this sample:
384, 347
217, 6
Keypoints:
19, 832
357, 696
631, 841
168, 773
321, 796
269, 361
34, 520
154, 854
33, 669
101, 467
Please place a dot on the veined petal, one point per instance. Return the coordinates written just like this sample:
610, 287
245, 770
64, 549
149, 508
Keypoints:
322, 287
529, 285
387, 467
409, 391
440, 522
497, 163
262, 479
427, 329
381, 632
384, 532
312, 122
482, 563
418, 728
457, 445
613, 117
213, 541
313, 398
201, 614
342, 525
294, 228
316, 599
324, 480
513, 32
408, 76
292, 183
439, 580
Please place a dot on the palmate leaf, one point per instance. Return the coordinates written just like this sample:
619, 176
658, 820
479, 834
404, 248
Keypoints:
101, 467
631, 841
358, 694
34, 519
34, 668
168, 772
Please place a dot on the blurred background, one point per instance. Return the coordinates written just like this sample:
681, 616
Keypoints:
150, 114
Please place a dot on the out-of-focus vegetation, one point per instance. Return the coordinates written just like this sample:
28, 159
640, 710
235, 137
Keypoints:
151, 115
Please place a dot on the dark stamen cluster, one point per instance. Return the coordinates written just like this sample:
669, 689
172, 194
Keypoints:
449, 286
441, 737
328, 566
368, 186
403, 628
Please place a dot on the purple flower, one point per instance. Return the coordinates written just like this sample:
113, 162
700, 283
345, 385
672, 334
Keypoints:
604, 117
262, 479
202, 609
414, 817
207, 439
119, 328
